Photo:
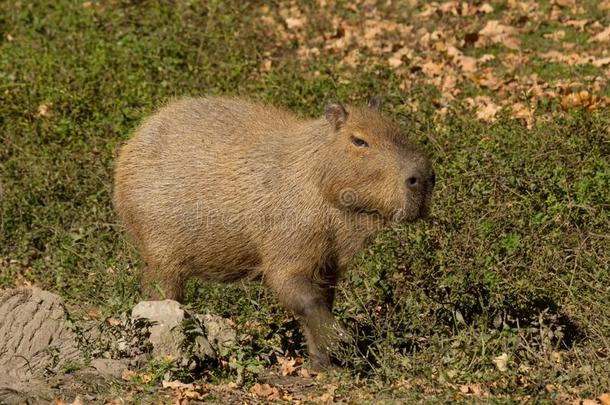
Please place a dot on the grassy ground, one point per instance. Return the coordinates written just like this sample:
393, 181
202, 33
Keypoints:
502, 295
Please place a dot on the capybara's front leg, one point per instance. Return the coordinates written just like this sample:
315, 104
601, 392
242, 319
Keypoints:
309, 303
160, 284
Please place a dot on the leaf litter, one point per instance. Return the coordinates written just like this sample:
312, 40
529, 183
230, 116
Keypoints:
454, 45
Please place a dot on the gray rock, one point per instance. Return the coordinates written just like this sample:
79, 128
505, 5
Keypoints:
166, 333
220, 333
110, 367
213, 335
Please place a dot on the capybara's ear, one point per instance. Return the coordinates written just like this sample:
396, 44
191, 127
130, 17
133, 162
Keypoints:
375, 103
335, 114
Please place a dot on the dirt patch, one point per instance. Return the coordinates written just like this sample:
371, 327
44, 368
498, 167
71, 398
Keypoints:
35, 343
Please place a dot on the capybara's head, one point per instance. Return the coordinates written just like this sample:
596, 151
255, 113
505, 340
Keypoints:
373, 167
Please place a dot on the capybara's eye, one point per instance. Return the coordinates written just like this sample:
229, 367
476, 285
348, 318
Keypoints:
359, 142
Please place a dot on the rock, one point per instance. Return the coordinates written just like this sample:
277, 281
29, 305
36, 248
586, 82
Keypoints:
166, 333
202, 348
110, 367
220, 333
211, 335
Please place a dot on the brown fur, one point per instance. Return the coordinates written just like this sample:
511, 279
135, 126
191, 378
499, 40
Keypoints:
224, 189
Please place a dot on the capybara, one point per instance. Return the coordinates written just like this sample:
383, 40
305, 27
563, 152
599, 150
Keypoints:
225, 189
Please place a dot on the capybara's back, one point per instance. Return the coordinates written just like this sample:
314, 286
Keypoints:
224, 189
186, 177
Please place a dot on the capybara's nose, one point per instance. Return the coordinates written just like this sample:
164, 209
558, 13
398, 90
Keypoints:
414, 182
418, 181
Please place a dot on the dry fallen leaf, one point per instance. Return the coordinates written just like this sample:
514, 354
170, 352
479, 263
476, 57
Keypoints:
564, 3
467, 64
113, 321
432, 69
94, 312
486, 109
289, 366
396, 59
177, 385
77, 401
44, 109
579, 24
325, 398
473, 389
577, 99
588, 402
501, 361
266, 391
486, 8
128, 374
499, 33
603, 36
266, 66
604, 398
550, 388
556, 35
523, 112
601, 62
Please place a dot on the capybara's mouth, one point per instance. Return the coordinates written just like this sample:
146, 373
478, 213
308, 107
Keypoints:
419, 211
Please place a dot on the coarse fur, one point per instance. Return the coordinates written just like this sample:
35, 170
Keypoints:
225, 189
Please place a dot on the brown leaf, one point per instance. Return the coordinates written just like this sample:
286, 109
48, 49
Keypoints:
522, 112
496, 32
550, 388
113, 321
604, 398
177, 385
564, 3
77, 401
486, 78
579, 24
325, 398
486, 109
266, 66
44, 110
288, 365
432, 69
501, 361
294, 23
486, 8
603, 36
266, 391
94, 312
556, 35
601, 62
128, 374
573, 100
473, 389
467, 64
396, 59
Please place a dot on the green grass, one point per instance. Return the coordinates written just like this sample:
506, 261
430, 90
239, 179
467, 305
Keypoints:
514, 258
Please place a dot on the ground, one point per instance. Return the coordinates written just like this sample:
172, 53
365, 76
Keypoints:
501, 295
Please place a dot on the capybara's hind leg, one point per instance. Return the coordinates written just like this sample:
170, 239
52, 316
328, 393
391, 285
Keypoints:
162, 284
